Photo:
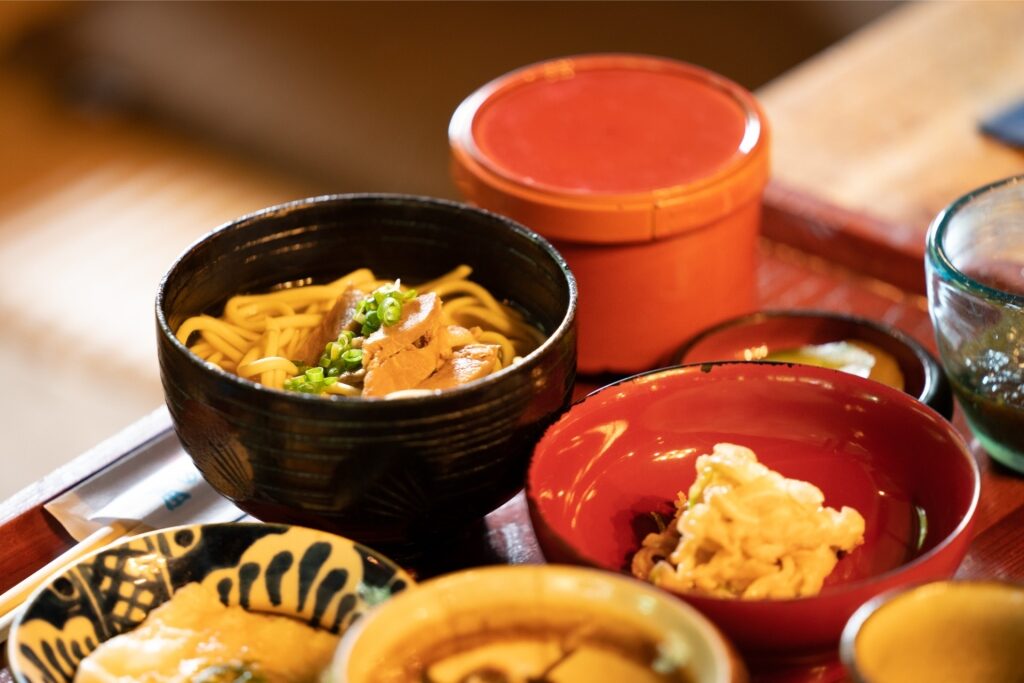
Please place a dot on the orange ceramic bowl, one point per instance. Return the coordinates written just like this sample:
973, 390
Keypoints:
964, 631
646, 174
519, 619
628, 449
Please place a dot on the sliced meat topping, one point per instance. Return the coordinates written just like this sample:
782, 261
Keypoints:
421, 317
403, 370
337, 319
403, 355
460, 336
467, 364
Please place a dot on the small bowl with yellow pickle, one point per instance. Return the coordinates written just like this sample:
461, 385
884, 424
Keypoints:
857, 345
201, 604
775, 498
963, 631
379, 366
536, 623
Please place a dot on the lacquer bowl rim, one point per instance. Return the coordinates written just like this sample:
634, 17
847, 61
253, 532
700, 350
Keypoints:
835, 592
935, 390
260, 392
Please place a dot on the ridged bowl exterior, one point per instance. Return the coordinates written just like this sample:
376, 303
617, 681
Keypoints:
385, 472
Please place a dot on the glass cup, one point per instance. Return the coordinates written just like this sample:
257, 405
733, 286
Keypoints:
975, 270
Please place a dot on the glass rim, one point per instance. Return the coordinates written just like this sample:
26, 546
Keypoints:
939, 259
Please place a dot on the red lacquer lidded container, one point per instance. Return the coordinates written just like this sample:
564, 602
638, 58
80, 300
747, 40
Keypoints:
646, 173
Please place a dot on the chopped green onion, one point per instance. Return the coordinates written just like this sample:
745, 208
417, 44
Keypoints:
301, 384
390, 311
382, 307
353, 359
372, 323
338, 357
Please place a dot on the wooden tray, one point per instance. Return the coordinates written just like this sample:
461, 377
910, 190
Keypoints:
812, 256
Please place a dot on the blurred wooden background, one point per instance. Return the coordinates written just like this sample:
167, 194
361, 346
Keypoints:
131, 129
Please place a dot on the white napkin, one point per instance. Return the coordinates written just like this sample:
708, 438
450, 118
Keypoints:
155, 484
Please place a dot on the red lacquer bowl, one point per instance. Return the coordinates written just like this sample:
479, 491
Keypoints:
779, 330
615, 457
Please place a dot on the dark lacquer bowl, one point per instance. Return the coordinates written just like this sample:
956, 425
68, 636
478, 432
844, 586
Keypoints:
620, 454
778, 330
387, 473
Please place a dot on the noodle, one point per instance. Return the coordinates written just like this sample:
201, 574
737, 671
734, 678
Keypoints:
259, 336
507, 350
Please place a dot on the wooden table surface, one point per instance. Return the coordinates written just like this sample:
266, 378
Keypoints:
885, 123
881, 127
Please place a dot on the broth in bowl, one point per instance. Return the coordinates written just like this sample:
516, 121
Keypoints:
534, 624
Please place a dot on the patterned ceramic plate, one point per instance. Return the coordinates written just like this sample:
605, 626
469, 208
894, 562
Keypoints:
325, 580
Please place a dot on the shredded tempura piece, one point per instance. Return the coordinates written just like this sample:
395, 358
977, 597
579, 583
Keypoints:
746, 531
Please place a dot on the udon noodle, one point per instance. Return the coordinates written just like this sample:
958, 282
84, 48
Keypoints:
261, 337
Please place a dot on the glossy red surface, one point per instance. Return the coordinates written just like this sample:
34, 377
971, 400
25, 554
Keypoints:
619, 129
679, 274
779, 330
629, 448
647, 173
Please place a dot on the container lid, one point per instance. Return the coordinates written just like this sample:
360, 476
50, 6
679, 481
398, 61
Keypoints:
610, 148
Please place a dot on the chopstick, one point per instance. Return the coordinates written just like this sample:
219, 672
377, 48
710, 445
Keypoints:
13, 599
